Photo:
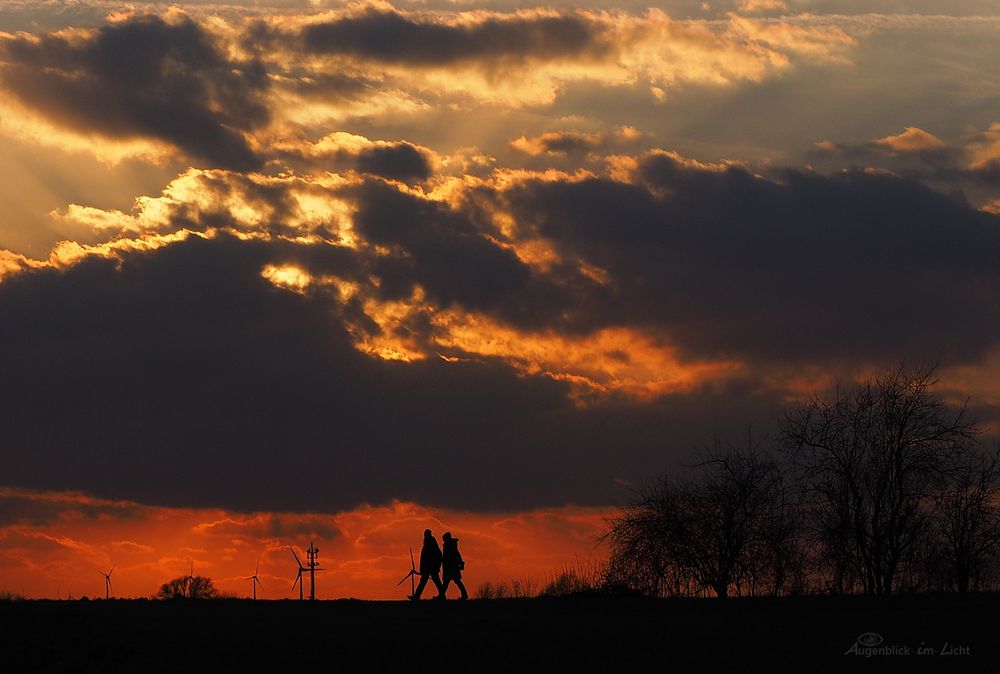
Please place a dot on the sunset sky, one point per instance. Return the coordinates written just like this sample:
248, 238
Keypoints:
281, 270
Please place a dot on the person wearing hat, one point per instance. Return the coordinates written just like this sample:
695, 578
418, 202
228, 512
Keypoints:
453, 565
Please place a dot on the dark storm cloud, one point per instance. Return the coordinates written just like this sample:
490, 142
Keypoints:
20, 507
401, 161
450, 254
143, 77
274, 526
391, 37
948, 167
807, 268
568, 143
182, 377
559, 142
396, 161
867, 154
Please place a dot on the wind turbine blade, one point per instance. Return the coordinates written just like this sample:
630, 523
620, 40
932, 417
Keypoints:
257, 580
295, 556
257, 569
413, 566
404, 579
113, 567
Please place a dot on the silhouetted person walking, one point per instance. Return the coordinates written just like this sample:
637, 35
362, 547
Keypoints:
453, 564
430, 565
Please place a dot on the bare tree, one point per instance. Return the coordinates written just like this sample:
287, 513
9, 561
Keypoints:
867, 461
728, 527
188, 587
643, 541
966, 520
775, 563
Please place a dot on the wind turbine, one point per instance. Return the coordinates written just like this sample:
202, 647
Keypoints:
298, 576
411, 575
107, 582
256, 581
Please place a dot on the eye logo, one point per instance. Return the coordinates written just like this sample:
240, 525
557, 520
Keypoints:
870, 639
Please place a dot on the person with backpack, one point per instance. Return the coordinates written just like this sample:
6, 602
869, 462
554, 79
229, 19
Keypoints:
430, 566
453, 565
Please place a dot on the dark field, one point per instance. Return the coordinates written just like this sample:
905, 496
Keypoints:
566, 634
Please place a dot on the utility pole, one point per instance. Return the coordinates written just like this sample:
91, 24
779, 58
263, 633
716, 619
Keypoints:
312, 554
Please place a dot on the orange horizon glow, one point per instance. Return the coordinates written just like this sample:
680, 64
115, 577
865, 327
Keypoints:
65, 541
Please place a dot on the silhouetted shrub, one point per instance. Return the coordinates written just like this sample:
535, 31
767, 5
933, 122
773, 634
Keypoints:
523, 588
564, 584
584, 577
489, 590
519, 588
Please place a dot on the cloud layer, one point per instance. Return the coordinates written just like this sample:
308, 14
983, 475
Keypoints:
510, 342
498, 258
222, 91
184, 376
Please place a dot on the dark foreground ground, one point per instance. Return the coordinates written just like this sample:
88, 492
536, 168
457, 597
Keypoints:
568, 634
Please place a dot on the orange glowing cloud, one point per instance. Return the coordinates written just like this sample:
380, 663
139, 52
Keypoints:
557, 142
913, 139
11, 263
287, 276
58, 543
762, 5
246, 202
984, 147
609, 360
67, 253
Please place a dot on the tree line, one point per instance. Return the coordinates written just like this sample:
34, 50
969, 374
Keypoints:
883, 487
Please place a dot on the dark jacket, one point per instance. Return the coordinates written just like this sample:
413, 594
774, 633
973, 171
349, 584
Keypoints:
452, 559
430, 556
